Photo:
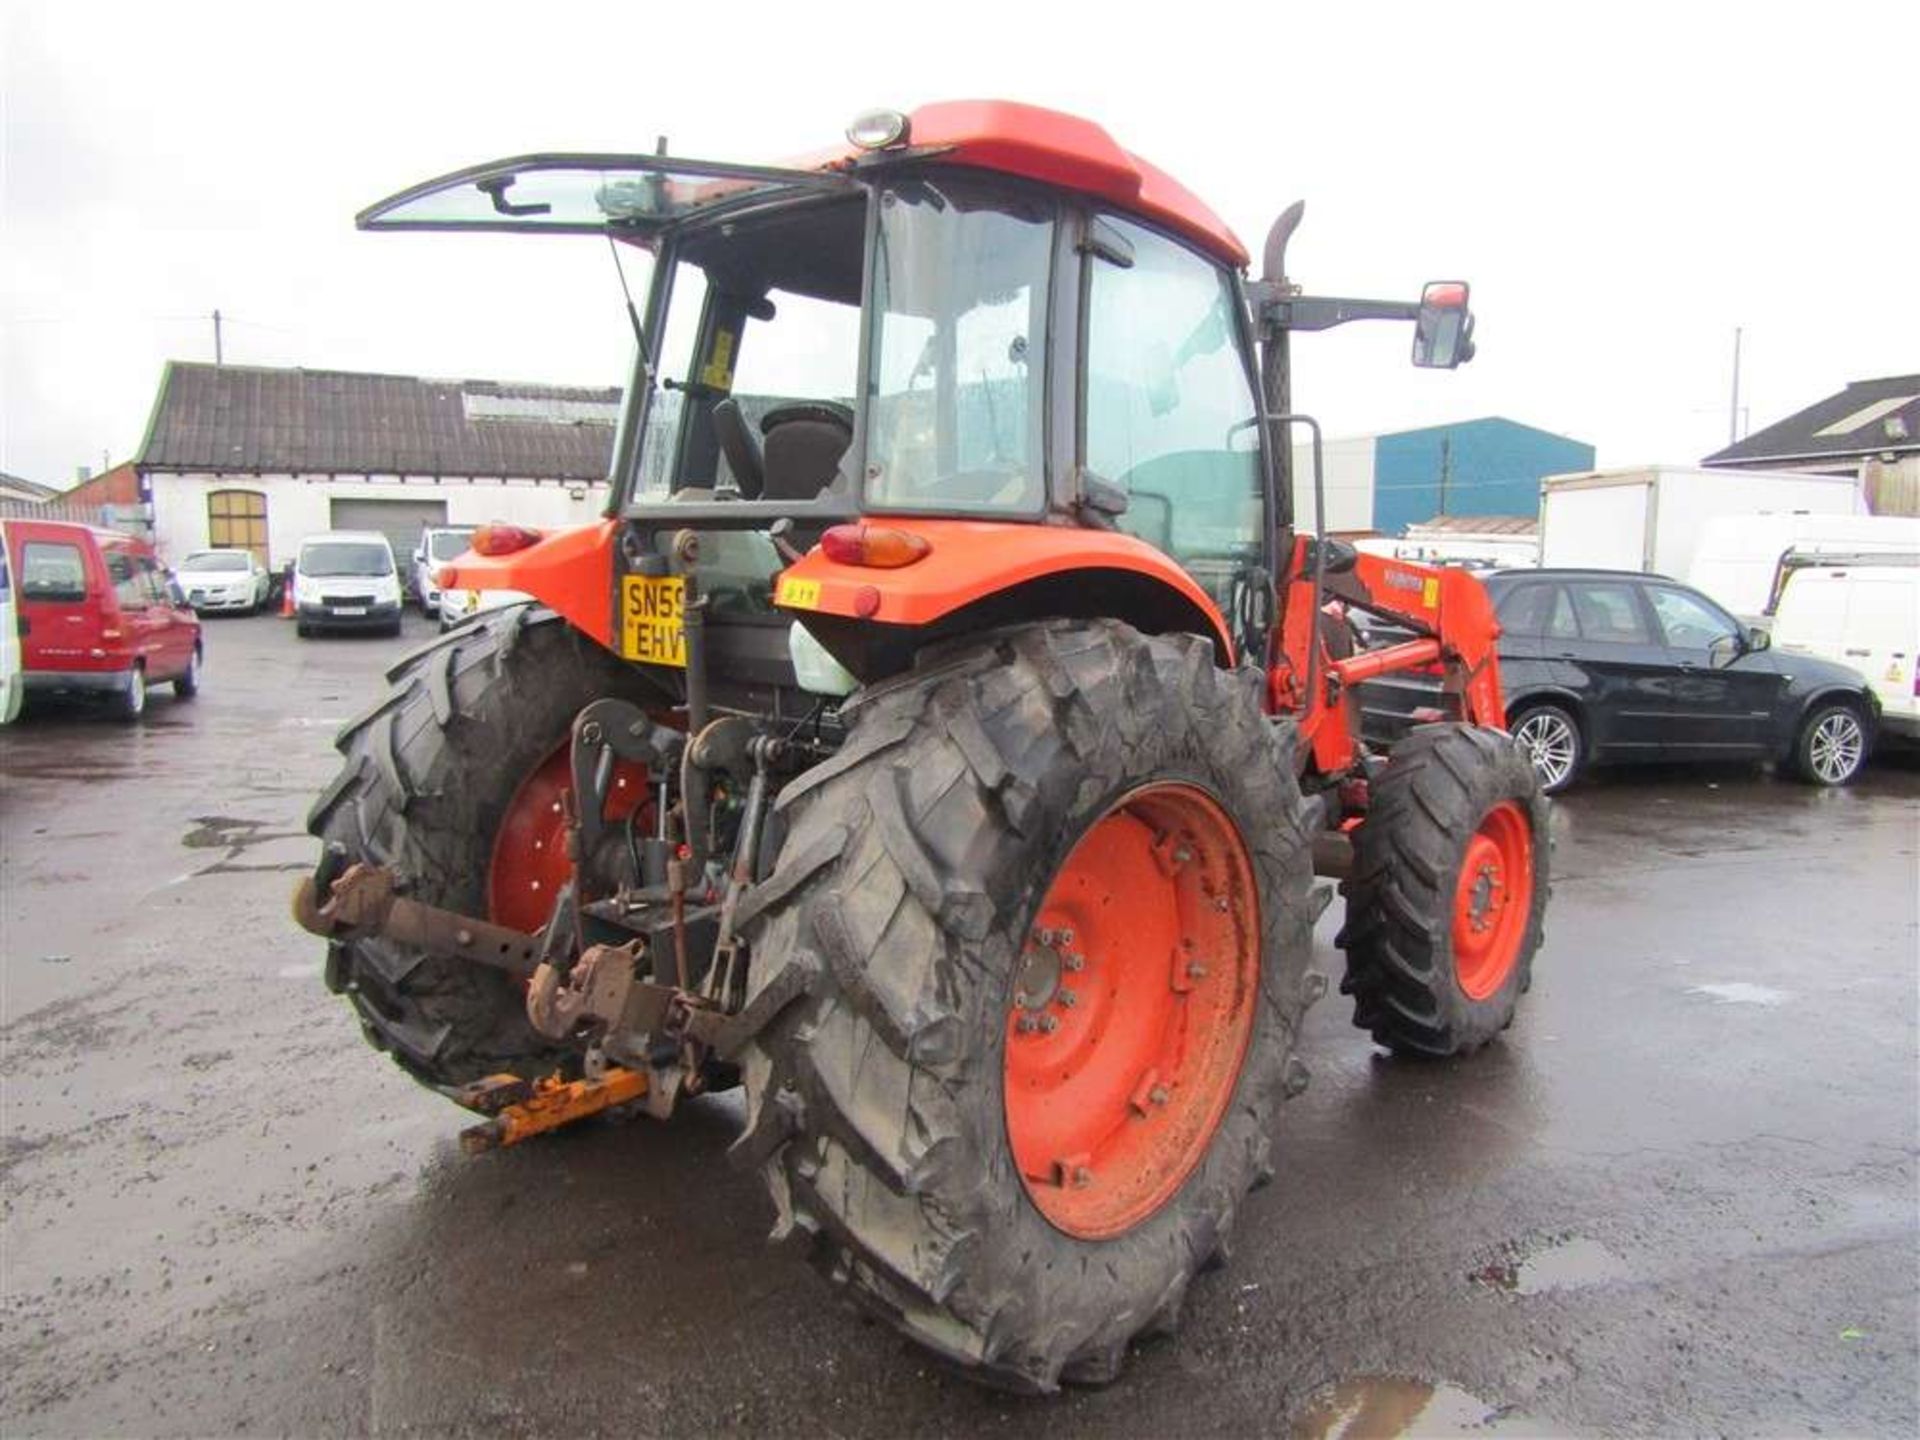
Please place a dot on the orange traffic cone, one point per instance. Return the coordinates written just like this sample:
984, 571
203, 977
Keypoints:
286, 601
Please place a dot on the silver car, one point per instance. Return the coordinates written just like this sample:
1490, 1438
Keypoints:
217, 580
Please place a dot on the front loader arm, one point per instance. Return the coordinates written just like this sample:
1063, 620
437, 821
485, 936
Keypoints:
1452, 625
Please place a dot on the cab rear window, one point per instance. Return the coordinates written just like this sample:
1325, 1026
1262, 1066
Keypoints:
52, 571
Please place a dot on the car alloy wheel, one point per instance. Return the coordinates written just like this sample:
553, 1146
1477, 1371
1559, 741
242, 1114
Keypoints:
1551, 743
1835, 748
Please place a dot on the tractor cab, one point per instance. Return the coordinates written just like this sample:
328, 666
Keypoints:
942, 327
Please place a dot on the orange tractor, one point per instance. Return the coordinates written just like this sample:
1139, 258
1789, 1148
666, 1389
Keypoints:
940, 734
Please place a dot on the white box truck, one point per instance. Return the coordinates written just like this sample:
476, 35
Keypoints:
1651, 518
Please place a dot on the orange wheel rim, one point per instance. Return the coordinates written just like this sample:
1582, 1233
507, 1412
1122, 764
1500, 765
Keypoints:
1132, 1003
1493, 900
529, 862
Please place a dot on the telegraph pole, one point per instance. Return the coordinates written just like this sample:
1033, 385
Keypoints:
216, 338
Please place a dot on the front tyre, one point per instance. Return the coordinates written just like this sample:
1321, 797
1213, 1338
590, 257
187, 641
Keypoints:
1030, 965
1449, 892
1832, 745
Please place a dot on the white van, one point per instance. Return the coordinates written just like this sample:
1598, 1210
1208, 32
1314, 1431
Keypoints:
439, 545
1865, 614
1743, 559
346, 580
13, 685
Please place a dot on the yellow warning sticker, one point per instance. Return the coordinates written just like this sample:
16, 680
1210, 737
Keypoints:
1430, 594
718, 372
798, 594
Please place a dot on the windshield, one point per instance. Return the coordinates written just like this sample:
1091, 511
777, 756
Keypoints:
361, 558
213, 561
448, 544
959, 339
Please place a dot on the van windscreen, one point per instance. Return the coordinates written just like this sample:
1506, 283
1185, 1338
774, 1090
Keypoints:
52, 572
346, 558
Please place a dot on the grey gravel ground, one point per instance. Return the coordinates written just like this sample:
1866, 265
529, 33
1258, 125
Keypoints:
1680, 1197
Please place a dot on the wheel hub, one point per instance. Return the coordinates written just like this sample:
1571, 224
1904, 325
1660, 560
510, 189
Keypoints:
1130, 1010
1492, 900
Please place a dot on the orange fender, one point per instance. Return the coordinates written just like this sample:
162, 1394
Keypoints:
569, 571
971, 561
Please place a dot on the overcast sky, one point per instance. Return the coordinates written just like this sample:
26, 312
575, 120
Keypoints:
1623, 185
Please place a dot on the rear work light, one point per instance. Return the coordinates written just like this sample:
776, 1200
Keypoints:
879, 547
498, 539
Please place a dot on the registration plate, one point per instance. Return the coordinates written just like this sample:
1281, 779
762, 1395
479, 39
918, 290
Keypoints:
651, 610
349, 609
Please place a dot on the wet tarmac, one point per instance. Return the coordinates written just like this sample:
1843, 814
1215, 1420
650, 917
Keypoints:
1679, 1197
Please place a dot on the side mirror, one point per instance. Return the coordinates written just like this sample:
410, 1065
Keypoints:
1758, 639
175, 593
1443, 330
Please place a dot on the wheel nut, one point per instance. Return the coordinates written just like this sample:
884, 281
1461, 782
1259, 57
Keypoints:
1074, 962
1065, 937
1049, 1024
1026, 1024
1067, 998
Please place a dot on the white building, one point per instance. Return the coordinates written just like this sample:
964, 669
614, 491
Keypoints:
261, 458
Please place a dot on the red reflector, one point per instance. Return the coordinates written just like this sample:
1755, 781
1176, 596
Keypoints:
1445, 294
879, 547
497, 539
866, 602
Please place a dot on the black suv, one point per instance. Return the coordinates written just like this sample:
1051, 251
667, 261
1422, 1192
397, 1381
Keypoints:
1603, 666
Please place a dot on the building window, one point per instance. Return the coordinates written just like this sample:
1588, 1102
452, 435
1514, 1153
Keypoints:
237, 520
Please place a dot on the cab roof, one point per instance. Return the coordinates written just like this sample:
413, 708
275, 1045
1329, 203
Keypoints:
1056, 149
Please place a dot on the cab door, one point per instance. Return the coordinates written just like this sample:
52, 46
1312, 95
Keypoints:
1170, 412
130, 611
173, 631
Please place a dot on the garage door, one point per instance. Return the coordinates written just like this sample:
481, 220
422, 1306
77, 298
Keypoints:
399, 520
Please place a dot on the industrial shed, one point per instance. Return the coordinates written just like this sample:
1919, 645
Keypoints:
260, 458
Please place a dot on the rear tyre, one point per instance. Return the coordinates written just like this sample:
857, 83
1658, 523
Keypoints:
1060, 809
131, 703
1449, 892
1832, 746
188, 685
430, 775
1550, 736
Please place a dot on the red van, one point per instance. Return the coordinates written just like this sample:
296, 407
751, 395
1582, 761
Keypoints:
97, 616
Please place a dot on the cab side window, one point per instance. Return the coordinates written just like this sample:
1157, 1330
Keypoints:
129, 586
1170, 412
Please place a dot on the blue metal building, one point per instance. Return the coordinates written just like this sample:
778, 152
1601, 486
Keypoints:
1491, 466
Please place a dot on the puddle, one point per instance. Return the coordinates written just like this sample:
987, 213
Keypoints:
223, 832
1380, 1407
1739, 992
1568, 1263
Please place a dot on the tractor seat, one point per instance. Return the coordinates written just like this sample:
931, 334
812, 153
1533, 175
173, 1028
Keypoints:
802, 449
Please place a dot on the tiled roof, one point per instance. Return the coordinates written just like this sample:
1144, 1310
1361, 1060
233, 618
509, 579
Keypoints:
305, 422
16, 487
1869, 417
